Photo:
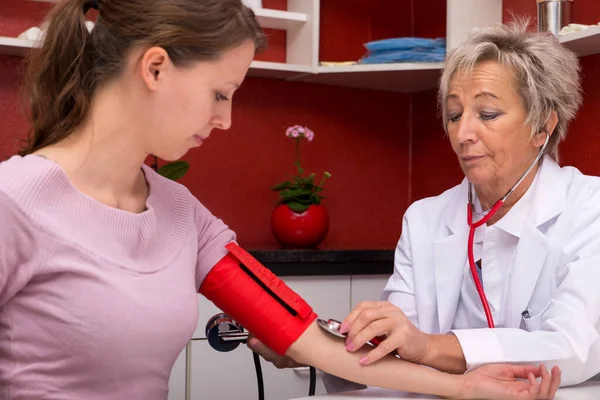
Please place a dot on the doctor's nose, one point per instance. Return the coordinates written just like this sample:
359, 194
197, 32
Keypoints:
466, 128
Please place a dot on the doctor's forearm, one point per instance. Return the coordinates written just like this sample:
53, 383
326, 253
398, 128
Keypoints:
327, 353
445, 354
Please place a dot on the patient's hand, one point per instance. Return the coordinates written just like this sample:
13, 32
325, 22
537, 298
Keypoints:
280, 362
501, 381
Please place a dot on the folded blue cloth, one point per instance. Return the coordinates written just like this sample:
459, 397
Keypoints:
403, 56
405, 43
407, 49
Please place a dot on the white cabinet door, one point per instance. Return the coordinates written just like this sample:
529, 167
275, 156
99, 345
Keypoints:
367, 288
177, 379
231, 376
222, 376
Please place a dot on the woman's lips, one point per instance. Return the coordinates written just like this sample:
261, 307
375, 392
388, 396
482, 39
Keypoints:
471, 159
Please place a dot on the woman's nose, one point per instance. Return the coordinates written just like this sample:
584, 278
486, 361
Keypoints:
222, 119
467, 129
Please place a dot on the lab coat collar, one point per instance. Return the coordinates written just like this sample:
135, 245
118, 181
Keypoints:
547, 195
450, 252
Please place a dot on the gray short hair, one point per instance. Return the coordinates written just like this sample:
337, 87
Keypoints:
546, 73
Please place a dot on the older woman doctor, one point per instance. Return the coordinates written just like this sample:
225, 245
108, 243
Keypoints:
533, 273
530, 290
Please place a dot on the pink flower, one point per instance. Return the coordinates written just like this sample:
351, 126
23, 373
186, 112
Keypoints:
290, 131
297, 131
309, 135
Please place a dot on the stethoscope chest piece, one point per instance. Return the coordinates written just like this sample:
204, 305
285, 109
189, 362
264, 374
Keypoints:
332, 326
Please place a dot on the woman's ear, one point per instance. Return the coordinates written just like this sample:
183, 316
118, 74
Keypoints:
547, 129
153, 67
551, 123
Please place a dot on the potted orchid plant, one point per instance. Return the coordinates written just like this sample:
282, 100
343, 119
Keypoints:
299, 219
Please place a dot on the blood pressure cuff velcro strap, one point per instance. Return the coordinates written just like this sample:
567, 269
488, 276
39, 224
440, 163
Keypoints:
253, 296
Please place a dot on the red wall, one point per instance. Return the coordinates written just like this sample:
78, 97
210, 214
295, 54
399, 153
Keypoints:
380, 154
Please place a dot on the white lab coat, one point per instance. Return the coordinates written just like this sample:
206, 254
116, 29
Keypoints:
555, 275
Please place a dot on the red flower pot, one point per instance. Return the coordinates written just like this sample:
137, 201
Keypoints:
300, 230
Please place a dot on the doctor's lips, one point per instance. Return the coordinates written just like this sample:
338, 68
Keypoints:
468, 159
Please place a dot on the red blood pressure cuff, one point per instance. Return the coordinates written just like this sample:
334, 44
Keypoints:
253, 296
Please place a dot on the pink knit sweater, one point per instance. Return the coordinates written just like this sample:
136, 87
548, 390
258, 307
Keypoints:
96, 302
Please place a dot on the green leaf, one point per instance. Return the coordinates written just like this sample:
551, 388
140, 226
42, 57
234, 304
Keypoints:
174, 170
294, 192
297, 207
281, 186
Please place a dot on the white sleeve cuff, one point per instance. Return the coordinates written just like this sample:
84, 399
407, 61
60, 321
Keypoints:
479, 346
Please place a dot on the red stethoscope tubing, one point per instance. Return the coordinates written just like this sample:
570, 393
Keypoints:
473, 226
485, 219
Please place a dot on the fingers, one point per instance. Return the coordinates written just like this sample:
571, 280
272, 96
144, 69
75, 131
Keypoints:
534, 386
259, 347
523, 371
545, 383
370, 323
556, 378
548, 385
351, 318
385, 348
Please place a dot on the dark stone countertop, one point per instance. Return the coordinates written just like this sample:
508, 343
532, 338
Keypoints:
311, 262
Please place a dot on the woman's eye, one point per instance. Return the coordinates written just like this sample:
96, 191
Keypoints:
488, 116
220, 97
454, 117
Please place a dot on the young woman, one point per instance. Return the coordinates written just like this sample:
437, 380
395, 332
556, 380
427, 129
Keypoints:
100, 258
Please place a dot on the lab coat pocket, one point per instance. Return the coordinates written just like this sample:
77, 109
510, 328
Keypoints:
533, 322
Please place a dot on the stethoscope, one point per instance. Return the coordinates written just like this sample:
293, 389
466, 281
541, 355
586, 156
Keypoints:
485, 219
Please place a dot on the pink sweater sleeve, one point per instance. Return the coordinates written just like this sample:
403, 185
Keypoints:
20, 249
213, 236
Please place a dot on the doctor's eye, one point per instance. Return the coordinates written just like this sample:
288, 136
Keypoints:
455, 117
220, 97
489, 116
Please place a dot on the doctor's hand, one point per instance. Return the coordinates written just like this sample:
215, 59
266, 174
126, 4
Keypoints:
265, 352
503, 381
386, 321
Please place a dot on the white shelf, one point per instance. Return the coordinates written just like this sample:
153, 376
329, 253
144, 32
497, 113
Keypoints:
13, 46
265, 69
396, 77
384, 67
267, 18
584, 43
301, 23
276, 19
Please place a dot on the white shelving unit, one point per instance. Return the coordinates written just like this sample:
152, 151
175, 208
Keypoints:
277, 19
583, 43
301, 23
398, 77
